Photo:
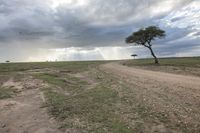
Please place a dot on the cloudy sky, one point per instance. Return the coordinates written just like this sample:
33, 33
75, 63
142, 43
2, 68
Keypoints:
40, 30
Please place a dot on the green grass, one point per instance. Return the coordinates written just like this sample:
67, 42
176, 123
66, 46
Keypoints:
64, 81
94, 109
78, 66
185, 61
89, 110
6, 93
183, 66
51, 78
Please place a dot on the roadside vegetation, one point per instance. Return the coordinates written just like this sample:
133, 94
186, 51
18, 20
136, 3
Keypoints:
184, 65
5, 93
61, 66
182, 61
81, 106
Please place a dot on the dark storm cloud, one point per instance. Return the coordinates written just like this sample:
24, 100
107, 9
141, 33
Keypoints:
89, 26
28, 19
95, 23
24, 20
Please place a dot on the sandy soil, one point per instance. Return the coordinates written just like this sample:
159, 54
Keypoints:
25, 113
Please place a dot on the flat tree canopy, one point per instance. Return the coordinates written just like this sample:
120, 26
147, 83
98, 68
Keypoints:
134, 55
145, 37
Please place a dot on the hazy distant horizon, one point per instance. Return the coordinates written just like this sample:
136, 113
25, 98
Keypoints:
88, 60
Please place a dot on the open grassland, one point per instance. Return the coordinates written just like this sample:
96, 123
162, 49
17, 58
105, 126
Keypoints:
83, 102
98, 97
65, 66
185, 65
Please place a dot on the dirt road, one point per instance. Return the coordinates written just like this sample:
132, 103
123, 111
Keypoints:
146, 75
175, 99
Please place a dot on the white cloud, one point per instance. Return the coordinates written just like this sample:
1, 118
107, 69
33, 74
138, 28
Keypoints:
186, 17
75, 53
71, 4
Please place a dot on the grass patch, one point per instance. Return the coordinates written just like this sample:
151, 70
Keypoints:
90, 111
51, 79
6, 93
73, 67
185, 66
68, 83
186, 61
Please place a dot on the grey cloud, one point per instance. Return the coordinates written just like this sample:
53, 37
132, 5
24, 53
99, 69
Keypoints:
26, 18
197, 34
176, 19
101, 23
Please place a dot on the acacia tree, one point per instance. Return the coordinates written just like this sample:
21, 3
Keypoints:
145, 37
134, 55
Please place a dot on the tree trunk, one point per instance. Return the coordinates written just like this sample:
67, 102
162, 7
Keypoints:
152, 53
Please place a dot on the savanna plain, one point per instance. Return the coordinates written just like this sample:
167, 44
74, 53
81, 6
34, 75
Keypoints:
130, 96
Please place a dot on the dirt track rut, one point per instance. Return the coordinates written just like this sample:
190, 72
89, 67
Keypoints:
25, 112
